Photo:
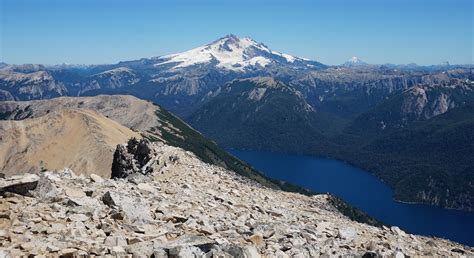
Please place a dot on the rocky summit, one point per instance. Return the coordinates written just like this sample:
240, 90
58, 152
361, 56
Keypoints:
165, 202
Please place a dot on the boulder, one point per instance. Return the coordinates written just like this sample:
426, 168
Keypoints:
47, 190
186, 251
146, 187
96, 178
115, 241
203, 243
160, 253
117, 250
143, 249
347, 233
78, 217
251, 252
397, 231
134, 208
19, 184
74, 192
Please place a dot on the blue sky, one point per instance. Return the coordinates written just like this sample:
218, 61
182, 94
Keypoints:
105, 31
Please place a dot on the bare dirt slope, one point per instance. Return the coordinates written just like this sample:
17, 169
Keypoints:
81, 139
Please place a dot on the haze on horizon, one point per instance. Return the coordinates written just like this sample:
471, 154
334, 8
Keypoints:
331, 32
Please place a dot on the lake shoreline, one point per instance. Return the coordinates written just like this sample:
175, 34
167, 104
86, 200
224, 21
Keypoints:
353, 165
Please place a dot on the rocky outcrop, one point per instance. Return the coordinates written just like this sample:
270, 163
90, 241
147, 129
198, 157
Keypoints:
135, 157
187, 208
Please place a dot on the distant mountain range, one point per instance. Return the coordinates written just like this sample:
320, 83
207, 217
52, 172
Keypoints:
245, 95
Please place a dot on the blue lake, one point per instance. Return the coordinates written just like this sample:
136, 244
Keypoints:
364, 191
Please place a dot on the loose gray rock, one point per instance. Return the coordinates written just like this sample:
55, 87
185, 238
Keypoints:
135, 209
217, 214
19, 184
47, 190
115, 241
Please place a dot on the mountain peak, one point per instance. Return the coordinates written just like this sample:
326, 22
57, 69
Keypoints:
231, 42
231, 37
354, 61
233, 53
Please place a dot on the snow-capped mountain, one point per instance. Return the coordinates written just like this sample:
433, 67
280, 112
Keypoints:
354, 61
234, 54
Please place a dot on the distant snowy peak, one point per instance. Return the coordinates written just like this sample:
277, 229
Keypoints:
354, 61
231, 53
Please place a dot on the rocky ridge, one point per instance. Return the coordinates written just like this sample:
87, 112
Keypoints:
153, 122
184, 207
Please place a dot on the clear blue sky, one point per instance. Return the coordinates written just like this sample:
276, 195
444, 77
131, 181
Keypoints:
103, 31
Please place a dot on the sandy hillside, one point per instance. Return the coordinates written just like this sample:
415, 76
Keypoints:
81, 139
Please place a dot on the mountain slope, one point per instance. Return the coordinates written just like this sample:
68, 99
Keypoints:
187, 208
150, 120
419, 141
428, 161
80, 139
418, 103
29, 85
158, 125
259, 113
406, 139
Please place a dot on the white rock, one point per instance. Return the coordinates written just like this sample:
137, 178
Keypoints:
397, 231
115, 241
96, 178
52, 248
146, 187
347, 233
251, 251
74, 192
78, 217
135, 208
117, 250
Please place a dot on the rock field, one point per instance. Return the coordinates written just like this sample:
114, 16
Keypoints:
183, 207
